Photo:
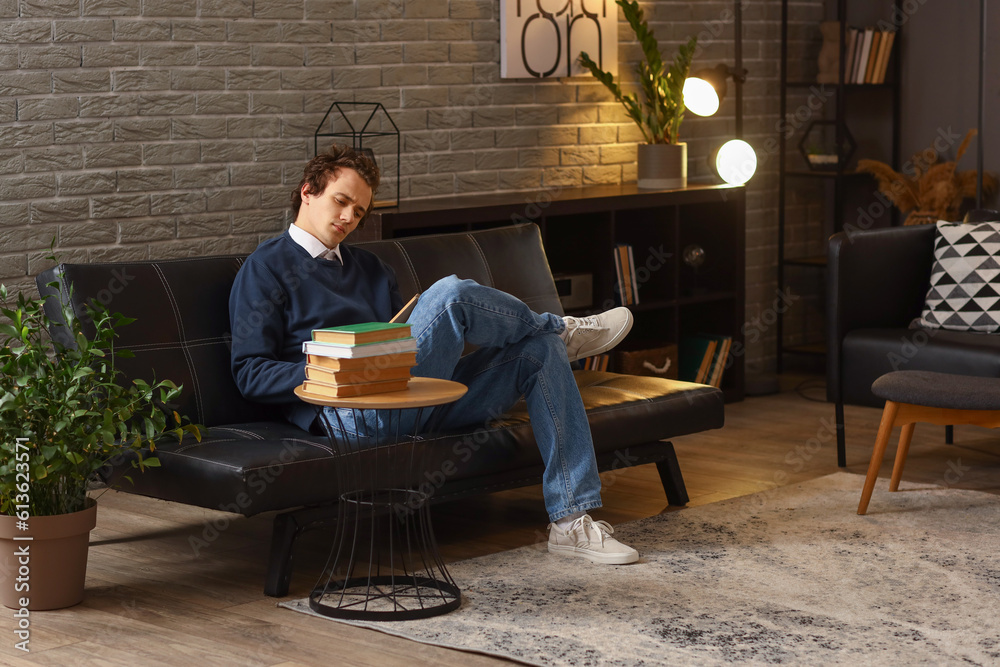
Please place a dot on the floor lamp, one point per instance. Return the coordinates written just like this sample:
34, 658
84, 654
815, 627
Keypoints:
735, 161
979, 214
982, 103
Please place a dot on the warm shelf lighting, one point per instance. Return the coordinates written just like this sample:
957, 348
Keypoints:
704, 90
700, 97
735, 162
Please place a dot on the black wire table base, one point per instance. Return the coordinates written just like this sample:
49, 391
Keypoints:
384, 564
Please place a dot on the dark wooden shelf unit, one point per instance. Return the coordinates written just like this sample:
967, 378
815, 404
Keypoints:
580, 227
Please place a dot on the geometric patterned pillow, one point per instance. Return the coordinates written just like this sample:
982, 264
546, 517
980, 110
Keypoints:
964, 293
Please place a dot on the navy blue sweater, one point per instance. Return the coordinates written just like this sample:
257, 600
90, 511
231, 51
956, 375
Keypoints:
280, 295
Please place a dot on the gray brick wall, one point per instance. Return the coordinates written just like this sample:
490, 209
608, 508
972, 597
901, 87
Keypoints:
164, 128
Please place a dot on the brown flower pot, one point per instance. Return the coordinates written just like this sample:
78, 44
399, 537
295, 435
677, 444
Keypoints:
921, 218
662, 166
53, 573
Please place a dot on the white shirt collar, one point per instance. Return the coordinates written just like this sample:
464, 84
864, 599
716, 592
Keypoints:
313, 245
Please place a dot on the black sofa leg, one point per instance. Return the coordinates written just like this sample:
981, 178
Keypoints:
949, 435
279, 567
841, 438
670, 476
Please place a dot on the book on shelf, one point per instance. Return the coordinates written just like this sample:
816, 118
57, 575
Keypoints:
628, 287
597, 363
362, 389
889, 39
632, 279
862, 63
704, 358
878, 56
384, 361
851, 42
695, 358
370, 374
360, 334
622, 289
872, 56
866, 53
720, 361
401, 345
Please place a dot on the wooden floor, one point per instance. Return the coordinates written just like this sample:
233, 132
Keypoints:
170, 584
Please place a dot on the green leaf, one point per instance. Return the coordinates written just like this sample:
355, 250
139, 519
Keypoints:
41, 472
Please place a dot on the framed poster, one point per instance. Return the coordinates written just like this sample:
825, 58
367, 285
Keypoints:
542, 38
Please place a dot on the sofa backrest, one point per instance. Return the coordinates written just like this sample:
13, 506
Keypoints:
181, 306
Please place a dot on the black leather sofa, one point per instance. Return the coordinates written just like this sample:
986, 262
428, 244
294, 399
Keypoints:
251, 461
876, 284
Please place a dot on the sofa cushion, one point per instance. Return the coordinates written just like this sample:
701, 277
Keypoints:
870, 353
964, 293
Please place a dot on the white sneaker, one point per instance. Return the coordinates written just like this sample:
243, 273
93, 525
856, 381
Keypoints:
586, 538
587, 336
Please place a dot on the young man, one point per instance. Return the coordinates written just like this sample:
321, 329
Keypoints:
307, 278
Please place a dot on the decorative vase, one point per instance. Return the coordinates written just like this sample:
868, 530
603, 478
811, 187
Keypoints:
828, 61
921, 217
662, 166
50, 569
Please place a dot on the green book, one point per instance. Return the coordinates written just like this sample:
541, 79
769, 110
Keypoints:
361, 334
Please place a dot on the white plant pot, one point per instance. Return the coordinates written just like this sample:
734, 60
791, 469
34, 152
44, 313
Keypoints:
662, 166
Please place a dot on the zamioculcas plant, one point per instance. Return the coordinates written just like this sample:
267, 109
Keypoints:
659, 115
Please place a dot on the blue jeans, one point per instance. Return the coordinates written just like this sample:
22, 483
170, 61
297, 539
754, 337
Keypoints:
519, 354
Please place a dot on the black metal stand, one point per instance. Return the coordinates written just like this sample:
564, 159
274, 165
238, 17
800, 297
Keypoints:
384, 564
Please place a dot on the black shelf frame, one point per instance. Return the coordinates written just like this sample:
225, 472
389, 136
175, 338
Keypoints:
839, 176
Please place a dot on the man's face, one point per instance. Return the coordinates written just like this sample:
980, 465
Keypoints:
334, 213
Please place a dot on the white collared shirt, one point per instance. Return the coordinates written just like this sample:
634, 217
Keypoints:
313, 245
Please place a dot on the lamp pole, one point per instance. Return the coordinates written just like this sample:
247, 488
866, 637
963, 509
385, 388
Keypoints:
740, 75
982, 104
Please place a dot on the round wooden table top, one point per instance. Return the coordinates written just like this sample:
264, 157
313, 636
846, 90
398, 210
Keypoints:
419, 393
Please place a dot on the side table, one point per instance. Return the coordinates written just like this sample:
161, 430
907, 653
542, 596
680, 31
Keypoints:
384, 563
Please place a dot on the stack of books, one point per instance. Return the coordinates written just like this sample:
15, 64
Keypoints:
359, 359
628, 286
704, 358
598, 363
868, 51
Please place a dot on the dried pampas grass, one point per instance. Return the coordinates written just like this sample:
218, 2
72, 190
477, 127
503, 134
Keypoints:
935, 189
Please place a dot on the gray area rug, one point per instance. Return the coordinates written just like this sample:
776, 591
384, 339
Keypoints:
791, 575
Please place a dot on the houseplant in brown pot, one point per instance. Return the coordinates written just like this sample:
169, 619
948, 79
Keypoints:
64, 415
662, 159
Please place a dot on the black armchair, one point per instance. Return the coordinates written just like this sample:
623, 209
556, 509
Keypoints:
876, 283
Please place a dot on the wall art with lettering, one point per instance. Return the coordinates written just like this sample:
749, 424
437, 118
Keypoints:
542, 38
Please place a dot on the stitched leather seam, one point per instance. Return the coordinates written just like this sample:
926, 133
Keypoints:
210, 461
409, 265
153, 347
248, 434
482, 255
195, 445
180, 323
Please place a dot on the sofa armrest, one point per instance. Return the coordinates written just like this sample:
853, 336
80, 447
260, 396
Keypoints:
876, 278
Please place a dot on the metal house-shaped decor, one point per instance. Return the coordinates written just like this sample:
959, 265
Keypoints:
370, 129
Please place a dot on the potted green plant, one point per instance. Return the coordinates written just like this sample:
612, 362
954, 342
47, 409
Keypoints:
64, 415
662, 159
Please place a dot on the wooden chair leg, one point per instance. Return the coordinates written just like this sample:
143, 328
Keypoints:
902, 449
884, 431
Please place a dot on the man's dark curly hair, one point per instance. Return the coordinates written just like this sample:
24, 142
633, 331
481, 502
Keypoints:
339, 156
